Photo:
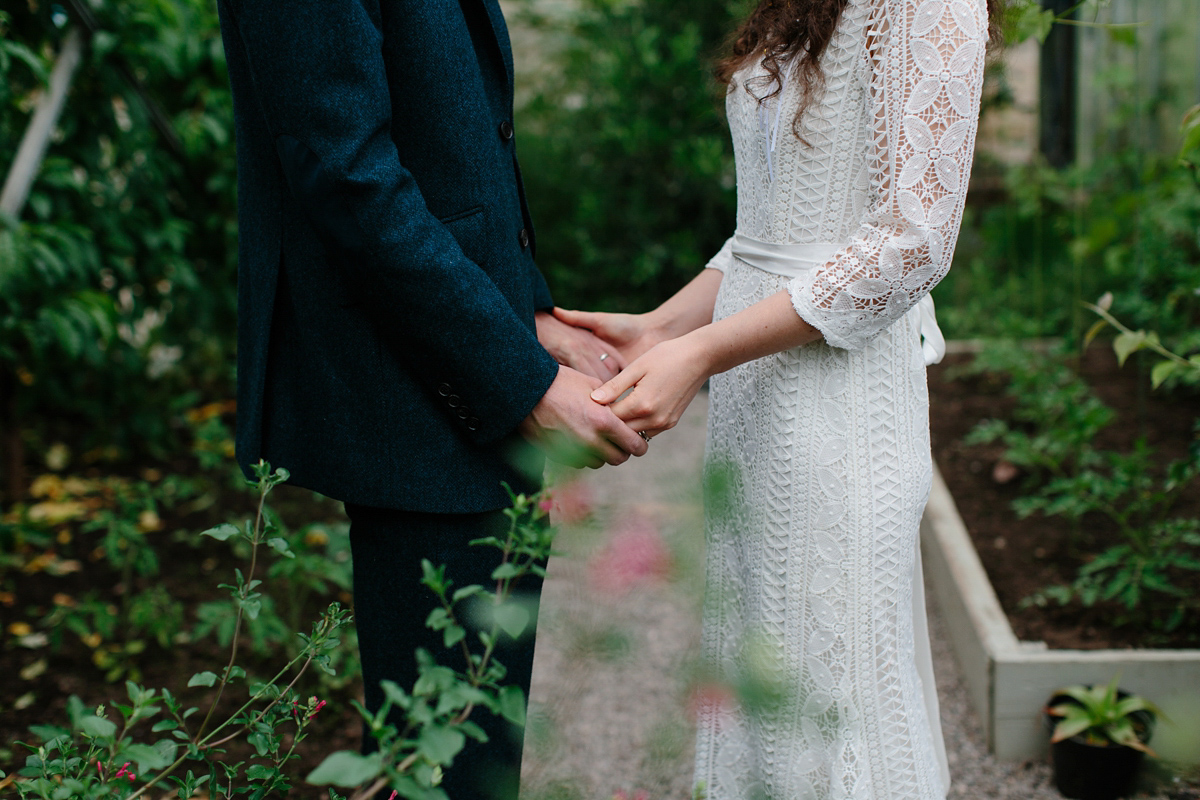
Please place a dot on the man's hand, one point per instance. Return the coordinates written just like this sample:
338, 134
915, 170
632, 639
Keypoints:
572, 429
578, 348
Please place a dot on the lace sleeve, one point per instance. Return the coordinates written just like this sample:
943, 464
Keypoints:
927, 58
722, 259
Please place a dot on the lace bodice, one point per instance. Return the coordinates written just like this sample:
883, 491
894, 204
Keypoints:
884, 165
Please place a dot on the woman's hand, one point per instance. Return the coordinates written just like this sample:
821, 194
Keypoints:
664, 381
629, 334
578, 348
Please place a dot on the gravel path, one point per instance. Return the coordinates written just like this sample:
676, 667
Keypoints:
610, 685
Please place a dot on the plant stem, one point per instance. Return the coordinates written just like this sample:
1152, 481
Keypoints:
206, 744
237, 626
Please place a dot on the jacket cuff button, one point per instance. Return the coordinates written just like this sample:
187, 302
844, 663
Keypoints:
463, 413
473, 424
444, 390
523, 238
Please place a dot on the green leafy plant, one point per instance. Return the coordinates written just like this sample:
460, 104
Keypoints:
118, 294
1056, 418
1171, 368
1101, 716
101, 754
1052, 437
1142, 571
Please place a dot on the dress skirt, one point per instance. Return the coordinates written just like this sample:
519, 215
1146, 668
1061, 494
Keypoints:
818, 468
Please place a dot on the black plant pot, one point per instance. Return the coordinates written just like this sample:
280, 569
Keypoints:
1085, 771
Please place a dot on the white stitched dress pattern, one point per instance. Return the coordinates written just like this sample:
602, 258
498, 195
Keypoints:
813, 609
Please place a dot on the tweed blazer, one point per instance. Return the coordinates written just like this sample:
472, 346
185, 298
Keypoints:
386, 281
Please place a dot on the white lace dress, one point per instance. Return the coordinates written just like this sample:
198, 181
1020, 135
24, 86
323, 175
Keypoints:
814, 611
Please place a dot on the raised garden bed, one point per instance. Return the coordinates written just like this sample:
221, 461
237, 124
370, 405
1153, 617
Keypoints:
1014, 657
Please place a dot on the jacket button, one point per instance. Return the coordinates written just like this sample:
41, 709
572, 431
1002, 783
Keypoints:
463, 413
523, 238
473, 424
444, 390
506, 130
454, 400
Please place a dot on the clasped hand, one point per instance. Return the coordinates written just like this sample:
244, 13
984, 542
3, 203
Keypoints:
661, 377
583, 422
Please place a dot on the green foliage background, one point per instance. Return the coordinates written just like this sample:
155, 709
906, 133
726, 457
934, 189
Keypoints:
625, 149
117, 285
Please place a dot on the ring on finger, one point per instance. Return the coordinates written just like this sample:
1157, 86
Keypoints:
644, 435
603, 356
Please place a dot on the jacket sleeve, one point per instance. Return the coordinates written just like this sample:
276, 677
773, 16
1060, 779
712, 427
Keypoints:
928, 80
319, 76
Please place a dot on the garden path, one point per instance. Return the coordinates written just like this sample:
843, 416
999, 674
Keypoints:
619, 634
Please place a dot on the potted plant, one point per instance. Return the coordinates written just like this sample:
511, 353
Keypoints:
1098, 740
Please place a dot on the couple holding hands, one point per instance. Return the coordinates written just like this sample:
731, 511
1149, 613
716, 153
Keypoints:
400, 351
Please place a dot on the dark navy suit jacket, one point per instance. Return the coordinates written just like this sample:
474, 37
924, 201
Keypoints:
386, 344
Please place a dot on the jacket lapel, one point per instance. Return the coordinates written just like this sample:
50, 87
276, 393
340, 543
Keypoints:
495, 16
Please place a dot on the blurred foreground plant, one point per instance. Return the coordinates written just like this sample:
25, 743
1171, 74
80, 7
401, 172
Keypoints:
101, 755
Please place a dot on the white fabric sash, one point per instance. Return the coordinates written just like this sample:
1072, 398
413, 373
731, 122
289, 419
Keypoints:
795, 260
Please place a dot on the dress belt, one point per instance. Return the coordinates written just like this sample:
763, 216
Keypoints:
794, 260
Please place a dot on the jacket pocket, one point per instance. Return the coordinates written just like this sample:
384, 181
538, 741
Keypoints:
469, 229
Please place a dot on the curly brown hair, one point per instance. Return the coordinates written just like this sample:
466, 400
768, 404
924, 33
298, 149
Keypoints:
777, 31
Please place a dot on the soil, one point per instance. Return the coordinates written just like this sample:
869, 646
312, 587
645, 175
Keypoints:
1022, 556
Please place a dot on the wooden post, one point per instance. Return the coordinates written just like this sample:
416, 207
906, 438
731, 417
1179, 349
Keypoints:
37, 136
1056, 115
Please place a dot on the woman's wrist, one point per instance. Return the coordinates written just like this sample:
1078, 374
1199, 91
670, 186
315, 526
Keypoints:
699, 350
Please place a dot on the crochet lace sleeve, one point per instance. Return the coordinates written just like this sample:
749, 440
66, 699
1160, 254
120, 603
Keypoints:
927, 58
723, 258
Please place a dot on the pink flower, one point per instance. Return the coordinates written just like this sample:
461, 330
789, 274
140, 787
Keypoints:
571, 503
709, 700
317, 708
638, 794
392, 796
635, 554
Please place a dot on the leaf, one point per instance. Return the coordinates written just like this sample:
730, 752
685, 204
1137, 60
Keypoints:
512, 619
1093, 331
147, 757
222, 532
440, 744
1162, 370
466, 591
97, 727
346, 769
394, 693
452, 635
512, 705
203, 679
474, 731
1128, 343
1071, 725
505, 570
252, 607
280, 546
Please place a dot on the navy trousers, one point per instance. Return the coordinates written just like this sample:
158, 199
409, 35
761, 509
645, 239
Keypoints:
390, 607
